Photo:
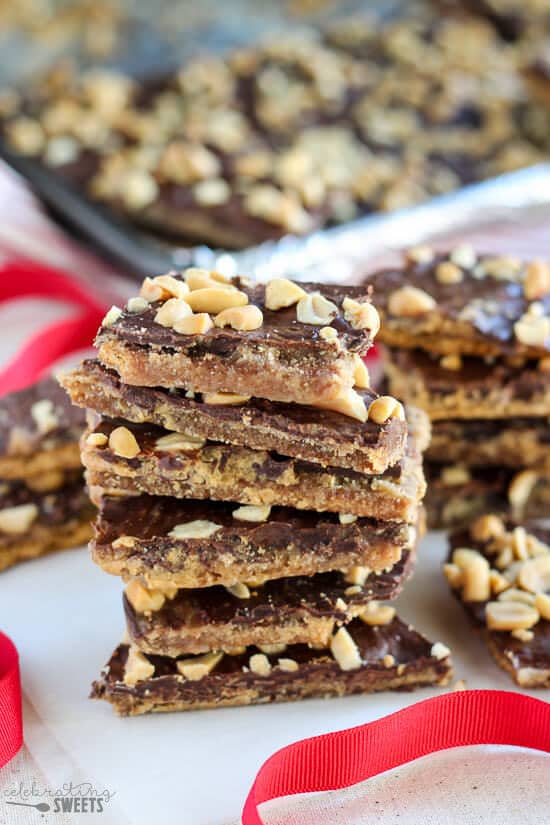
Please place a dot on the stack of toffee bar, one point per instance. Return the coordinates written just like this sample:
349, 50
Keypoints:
468, 341
43, 502
256, 496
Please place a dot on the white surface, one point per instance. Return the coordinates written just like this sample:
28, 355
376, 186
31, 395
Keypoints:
65, 616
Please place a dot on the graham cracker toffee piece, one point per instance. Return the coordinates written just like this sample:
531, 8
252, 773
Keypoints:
464, 303
361, 659
481, 442
277, 612
457, 493
282, 341
134, 458
33, 523
464, 387
185, 544
39, 432
309, 433
500, 571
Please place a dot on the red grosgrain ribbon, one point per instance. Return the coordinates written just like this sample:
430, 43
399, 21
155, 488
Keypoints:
341, 759
11, 719
26, 279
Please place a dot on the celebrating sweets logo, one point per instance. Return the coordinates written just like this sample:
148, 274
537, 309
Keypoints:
69, 798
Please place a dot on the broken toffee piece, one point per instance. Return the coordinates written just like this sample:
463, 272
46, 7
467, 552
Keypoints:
39, 433
284, 341
185, 544
309, 433
362, 659
482, 442
278, 612
500, 571
33, 523
43, 506
467, 387
145, 459
462, 303
457, 493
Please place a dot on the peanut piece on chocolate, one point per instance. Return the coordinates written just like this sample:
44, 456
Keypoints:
97, 440
43, 413
198, 529
112, 316
510, 616
409, 302
194, 324
17, 520
440, 651
142, 598
537, 280
123, 443
384, 408
259, 664
252, 512
361, 377
174, 442
246, 318
239, 590
314, 308
361, 315
534, 574
281, 293
172, 311
288, 665
215, 299
348, 403
137, 667
225, 398
448, 273
200, 666
377, 614
345, 651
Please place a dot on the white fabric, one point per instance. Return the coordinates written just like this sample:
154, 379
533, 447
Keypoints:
464, 786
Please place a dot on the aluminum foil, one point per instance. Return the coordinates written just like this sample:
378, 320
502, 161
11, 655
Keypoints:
498, 207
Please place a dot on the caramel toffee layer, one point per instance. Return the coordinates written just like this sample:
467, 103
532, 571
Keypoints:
39, 431
476, 390
392, 656
475, 316
132, 538
282, 611
320, 436
478, 442
226, 473
456, 493
34, 523
284, 359
527, 660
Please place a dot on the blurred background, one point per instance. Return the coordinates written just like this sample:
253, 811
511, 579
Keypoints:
231, 126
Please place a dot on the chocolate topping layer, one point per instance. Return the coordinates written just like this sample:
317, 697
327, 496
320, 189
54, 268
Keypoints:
291, 542
232, 682
21, 432
223, 472
280, 329
527, 661
309, 433
475, 316
476, 390
291, 610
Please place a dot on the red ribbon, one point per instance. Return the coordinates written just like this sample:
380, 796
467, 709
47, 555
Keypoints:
26, 279
11, 717
341, 759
